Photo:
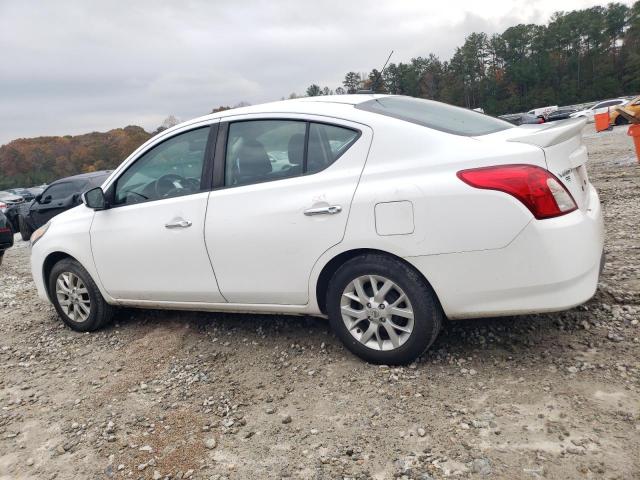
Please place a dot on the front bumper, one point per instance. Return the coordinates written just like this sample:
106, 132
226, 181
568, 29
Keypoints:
552, 265
37, 263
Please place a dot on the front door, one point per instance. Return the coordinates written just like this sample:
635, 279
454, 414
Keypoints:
284, 200
55, 199
150, 244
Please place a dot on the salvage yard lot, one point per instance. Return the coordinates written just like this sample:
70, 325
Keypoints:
194, 395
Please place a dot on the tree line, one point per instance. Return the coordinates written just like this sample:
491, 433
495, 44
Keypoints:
28, 162
579, 56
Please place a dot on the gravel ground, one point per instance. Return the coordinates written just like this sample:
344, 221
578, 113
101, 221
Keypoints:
215, 396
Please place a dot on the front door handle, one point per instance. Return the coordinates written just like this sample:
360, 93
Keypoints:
179, 224
331, 210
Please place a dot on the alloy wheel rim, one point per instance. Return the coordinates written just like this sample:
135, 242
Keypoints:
377, 312
73, 297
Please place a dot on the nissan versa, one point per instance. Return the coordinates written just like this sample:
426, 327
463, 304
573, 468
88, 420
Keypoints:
385, 213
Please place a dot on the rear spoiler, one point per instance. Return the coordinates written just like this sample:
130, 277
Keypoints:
549, 134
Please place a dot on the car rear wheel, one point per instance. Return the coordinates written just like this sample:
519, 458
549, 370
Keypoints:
77, 298
383, 310
25, 229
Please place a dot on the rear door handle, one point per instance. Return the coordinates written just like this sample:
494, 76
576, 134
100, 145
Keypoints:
331, 210
180, 224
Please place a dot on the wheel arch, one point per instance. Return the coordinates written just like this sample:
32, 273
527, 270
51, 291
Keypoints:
47, 266
332, 266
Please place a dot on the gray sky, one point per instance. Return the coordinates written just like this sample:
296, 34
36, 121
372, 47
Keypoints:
76, 66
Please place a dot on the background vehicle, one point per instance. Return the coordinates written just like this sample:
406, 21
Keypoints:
633, 107
543, 111
8, 199
27, 193
588, 113
522, 118
560, 114
59, 196
384, 213
6, 235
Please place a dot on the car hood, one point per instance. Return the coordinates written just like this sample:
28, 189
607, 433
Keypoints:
10, 198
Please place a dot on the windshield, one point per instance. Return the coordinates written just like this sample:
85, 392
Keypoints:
436, 115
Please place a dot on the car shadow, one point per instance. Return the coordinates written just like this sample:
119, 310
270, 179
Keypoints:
489, 336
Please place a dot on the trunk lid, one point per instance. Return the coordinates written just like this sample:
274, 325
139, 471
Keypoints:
564, 151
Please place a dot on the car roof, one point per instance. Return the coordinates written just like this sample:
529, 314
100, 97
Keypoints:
612, 100
82, 176
338, 105
295, 105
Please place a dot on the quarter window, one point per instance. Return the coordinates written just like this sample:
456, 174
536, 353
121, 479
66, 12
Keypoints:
170, 169
326, 144
263, 150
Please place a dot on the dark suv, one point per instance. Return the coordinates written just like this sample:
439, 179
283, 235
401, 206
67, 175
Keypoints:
59, 196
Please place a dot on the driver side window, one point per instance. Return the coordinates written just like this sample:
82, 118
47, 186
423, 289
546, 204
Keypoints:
59, 191
171, 169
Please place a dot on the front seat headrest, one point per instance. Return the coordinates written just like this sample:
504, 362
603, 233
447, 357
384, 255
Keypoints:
253, 162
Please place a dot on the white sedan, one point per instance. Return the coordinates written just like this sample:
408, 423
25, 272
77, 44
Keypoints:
589, 113
387, 214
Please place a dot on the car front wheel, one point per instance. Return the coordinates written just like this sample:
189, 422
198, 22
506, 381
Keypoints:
383, 310
25, 229
77, 298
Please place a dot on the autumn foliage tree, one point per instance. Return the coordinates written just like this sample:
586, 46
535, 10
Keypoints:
32, 161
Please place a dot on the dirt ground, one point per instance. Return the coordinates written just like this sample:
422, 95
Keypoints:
215, 396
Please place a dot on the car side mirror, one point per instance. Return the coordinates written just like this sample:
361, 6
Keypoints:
45, 200
95, 199
38, 197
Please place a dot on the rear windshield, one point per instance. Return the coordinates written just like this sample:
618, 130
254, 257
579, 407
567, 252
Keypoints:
436, 115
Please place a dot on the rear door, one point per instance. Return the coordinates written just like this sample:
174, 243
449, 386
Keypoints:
282, 198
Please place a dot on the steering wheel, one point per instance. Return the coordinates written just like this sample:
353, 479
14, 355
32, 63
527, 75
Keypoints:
169, 184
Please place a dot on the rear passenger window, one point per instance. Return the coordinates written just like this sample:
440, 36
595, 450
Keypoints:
610, 103
264, 150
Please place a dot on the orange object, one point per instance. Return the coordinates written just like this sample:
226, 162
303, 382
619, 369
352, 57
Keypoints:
601, 118
631, 109
634, 132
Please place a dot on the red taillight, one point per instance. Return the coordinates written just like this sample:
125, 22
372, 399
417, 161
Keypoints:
538, 189
5, 230
3, 205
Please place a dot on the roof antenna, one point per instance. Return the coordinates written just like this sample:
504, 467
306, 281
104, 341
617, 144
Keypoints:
374, 84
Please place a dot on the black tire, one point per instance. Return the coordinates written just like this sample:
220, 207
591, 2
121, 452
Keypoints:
620, 120
1, 256
25, 229
427, 313
100, 312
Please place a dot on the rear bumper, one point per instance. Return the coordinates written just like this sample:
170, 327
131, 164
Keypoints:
551, 265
